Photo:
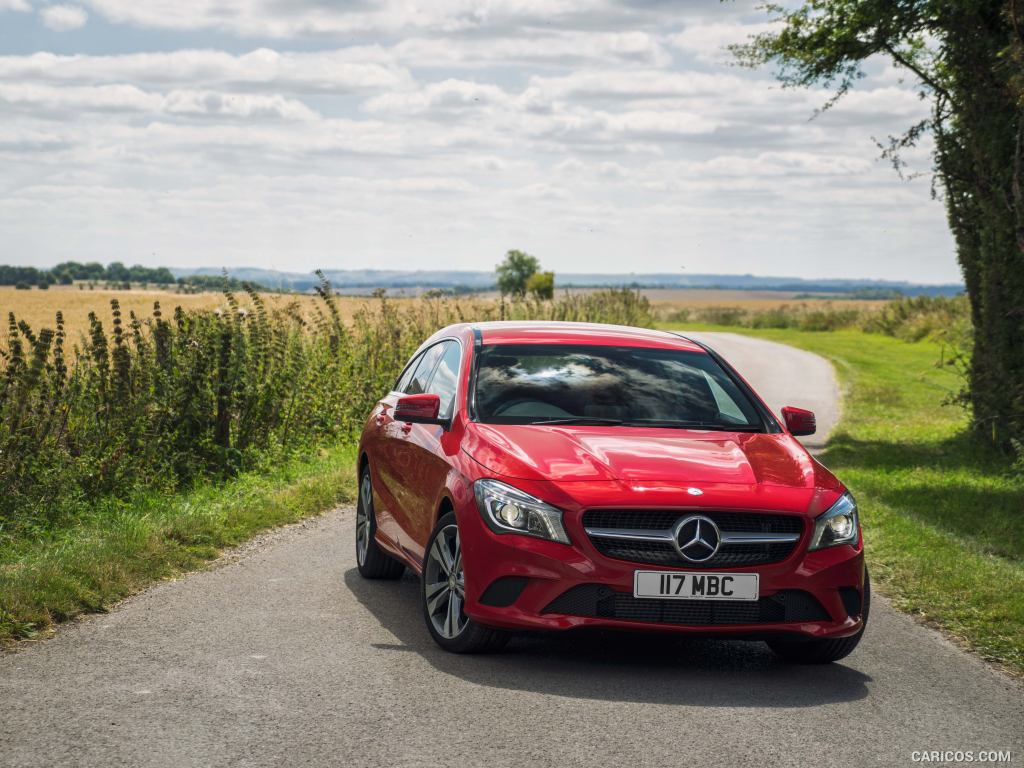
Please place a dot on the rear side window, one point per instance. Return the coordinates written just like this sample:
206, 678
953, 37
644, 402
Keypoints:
418, 383
406, 376
446, 377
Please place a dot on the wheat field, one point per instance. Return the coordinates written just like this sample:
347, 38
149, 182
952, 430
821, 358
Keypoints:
38, 308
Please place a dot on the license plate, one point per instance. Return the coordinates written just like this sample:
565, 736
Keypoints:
676, 585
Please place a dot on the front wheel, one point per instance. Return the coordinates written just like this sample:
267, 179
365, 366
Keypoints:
443, 595
824, 651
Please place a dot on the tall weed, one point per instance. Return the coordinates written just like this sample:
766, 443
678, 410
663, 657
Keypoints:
165, 402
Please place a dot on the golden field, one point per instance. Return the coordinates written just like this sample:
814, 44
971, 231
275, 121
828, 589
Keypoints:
665, 301
38, 307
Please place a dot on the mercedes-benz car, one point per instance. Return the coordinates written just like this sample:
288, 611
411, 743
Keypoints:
552, 476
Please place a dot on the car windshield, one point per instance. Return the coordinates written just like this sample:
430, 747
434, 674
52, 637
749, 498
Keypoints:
608, 385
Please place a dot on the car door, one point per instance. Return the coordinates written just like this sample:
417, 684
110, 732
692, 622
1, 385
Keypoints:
383, 434
424, 465
397, 471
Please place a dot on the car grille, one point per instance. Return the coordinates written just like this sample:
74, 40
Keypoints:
729, 555
600, 601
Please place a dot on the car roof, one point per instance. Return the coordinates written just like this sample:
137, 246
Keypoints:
555, 332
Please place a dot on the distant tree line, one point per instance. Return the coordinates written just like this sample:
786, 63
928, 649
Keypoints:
116, 273
68, 272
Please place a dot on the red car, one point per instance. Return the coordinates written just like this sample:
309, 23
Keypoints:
548, 476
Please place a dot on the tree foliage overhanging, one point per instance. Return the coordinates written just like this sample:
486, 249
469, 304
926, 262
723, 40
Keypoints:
968, 57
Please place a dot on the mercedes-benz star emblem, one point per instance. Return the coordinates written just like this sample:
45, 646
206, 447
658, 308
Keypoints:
697, 538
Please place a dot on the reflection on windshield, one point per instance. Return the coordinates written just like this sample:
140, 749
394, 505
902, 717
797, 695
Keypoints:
522, 384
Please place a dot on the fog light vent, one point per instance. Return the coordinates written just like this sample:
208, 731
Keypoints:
851, 600
504, 591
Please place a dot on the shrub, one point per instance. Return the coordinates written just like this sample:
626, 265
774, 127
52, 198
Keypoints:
165, 402
541, 285
911, 319
828, 320
723, 315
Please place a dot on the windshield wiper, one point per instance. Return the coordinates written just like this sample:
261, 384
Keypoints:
580, 420
708, 425
666, 423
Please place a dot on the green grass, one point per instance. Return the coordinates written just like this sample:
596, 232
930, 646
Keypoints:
943, 515
122, 547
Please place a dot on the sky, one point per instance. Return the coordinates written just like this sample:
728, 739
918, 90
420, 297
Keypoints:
599, 135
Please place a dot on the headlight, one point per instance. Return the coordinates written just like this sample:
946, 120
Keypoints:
839, 525
509, 510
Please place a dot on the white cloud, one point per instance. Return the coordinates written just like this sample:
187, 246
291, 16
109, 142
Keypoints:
62, 18
340, 71
708, 42
617, 85
447, 95
543, 48
600, 134
22, 6
316, 18
129, 98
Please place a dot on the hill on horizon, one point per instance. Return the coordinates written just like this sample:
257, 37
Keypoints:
414, 281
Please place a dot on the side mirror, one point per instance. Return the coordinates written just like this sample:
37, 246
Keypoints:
419, 409
799, 421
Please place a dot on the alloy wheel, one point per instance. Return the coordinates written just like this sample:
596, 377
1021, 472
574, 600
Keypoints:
363, 511
445, 583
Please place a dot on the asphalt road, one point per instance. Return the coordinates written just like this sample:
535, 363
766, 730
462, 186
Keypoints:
281, 655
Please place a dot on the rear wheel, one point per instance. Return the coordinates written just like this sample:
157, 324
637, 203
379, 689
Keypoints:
372, 561
443, 594
824, 651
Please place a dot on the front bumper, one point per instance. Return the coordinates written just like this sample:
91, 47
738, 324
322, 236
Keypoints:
519, 582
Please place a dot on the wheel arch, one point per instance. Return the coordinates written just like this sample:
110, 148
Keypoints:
444, 506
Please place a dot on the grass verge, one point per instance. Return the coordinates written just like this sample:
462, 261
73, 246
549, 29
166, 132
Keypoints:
943, 515
122, 547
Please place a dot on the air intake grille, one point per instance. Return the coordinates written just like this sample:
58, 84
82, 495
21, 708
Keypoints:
600, 601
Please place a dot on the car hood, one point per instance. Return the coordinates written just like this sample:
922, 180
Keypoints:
641, 455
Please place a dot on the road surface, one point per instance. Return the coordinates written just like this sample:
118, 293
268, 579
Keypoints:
282, 656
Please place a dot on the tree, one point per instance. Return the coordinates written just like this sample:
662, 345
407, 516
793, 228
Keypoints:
514, 272
91, 271
541, 285
967, 57
117, 272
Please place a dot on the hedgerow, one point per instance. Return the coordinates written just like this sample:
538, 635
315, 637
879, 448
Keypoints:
167, 402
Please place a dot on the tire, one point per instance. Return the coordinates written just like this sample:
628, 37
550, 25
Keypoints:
823, 651
372, 561
442, 590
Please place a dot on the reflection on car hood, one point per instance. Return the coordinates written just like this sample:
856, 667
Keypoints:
638, 455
